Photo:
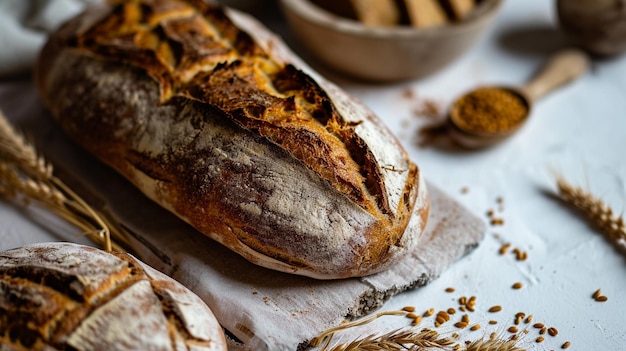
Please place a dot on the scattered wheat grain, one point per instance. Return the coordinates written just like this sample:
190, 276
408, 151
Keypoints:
417, 320
597, 294
460, 325
497, 221
494, 309
429, 312
504, 248
408, 308
443, 315
553, 331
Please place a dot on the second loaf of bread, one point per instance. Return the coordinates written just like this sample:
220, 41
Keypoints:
214, 119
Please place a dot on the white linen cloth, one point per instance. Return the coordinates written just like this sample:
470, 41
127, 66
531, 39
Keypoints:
24, 26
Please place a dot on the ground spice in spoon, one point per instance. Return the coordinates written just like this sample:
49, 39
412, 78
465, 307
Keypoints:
490, 110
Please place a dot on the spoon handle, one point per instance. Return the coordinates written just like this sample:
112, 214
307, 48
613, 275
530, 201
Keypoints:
562, 68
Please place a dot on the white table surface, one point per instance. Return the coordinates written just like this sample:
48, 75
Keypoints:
578, 131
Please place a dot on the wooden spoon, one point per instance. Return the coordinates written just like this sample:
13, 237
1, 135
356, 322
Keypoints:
562, 68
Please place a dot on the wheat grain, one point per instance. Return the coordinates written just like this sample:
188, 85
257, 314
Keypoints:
494, 309
553, 331
565, 345
460, 325
504, 248
597, 293
602, 298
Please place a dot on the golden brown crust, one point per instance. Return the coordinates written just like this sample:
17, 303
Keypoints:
194, 50
189, 64
51, 293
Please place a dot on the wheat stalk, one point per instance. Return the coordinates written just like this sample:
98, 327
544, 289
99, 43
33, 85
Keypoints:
14, 149
399, 340
598, 212
328, 333
493, 344
408, 339
26, 175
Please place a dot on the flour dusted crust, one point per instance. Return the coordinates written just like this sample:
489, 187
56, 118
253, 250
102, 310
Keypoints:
213, 118
61, 296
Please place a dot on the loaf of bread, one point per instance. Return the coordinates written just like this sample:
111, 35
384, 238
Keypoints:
63, 296
213, 118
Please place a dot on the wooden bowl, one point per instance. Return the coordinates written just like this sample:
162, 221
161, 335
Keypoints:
384, 53
598, 26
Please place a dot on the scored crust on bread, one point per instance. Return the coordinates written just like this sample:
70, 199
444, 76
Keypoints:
214, 119
64, 296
